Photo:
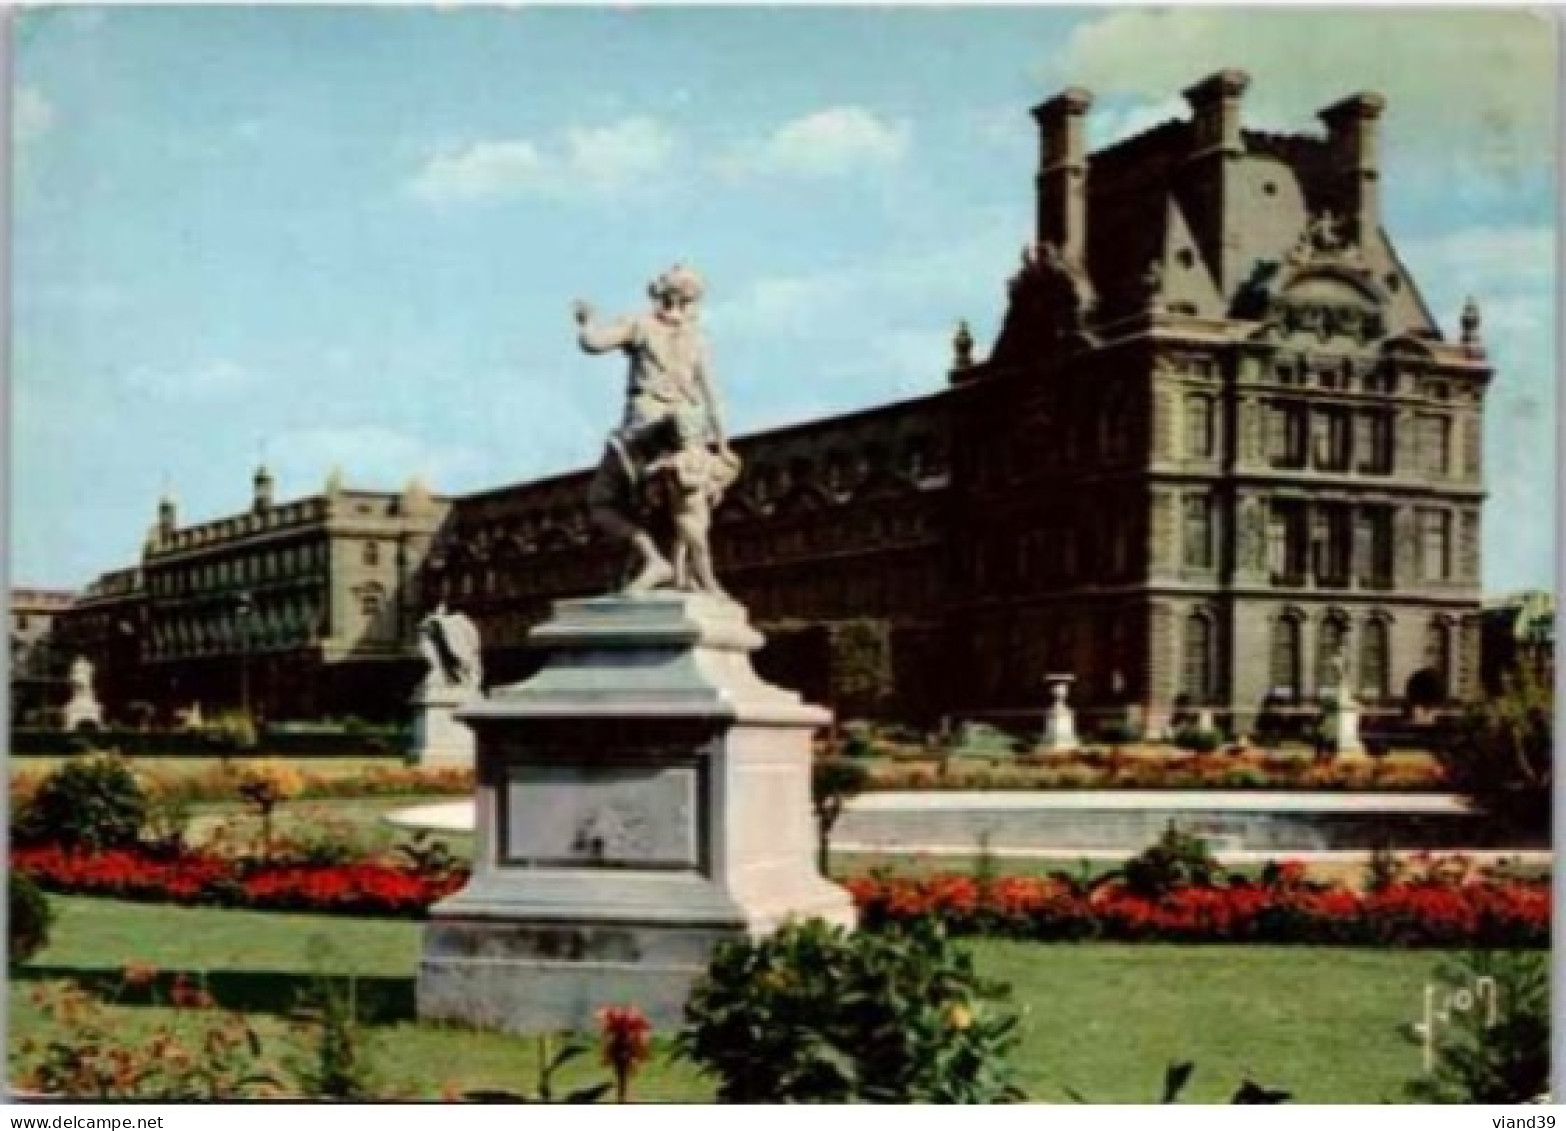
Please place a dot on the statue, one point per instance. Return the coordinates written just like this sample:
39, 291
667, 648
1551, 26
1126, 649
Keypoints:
665, 469
449, 643
81, 677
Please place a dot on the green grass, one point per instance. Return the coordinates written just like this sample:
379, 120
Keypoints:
1101, 1019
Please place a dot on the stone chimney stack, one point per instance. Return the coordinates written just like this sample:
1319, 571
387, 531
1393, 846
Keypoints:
1215, 112
263, 491
1354, 142
1210, 197
1062, 177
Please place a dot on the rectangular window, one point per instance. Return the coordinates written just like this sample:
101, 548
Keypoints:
1435, 444
1330, 439
1198, 538
1286, 435
1373, 442
1286, 543
1435, 545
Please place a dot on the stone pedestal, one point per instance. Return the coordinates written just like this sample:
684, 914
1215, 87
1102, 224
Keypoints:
1060, 724
438, 738
643, 798
81, 710
1343, 724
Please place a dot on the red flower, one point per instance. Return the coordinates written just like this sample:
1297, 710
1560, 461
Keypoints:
625, 1038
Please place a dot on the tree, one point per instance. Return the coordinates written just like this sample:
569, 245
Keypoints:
833, 783
1501, 754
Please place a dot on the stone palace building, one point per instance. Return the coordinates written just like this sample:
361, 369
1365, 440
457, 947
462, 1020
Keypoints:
1219, 441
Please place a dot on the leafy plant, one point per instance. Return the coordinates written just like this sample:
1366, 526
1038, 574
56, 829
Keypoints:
264, 786
833, 783
1502, 753
430, 857
340, 1067
1198, 739
92, 803
28, 920
1485, 1057
1179, 1074
550, 1061
814, 1013
198, 1054
1177, 860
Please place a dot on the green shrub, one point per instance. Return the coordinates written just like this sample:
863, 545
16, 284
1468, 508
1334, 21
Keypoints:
833, 783
1498, 1050
816, 1014
1198, 740
1118, 732
1177, 860
1502, 754
29, 919
91, 803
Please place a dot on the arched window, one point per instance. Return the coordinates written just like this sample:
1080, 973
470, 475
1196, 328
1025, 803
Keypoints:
1198, 662
1375, 652
1438, 651
1285, 656
1331, 641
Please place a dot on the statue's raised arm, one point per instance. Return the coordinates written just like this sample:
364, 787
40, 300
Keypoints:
601, 337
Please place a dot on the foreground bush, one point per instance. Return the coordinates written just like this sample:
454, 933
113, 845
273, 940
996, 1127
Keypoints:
28, 920
1497, 1051
816, 1014
94, 803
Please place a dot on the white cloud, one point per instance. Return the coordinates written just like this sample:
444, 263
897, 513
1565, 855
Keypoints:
601, 161
1479, 84
212, 380
828, 143
795, 303
369, 456
32, 116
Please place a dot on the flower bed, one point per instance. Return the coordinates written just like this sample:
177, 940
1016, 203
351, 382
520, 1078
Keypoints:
1093, 769
1283, 909
221, 783
368, 887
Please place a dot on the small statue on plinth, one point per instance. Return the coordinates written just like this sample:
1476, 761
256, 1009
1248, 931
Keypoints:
667, 466
83, 708
449, 643
1060, 724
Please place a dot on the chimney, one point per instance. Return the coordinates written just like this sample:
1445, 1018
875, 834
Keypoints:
1215, 111
1062, 177
1210, 193
1353, 142
263, 492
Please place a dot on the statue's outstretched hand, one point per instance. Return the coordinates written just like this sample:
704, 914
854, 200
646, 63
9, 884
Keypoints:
582, 312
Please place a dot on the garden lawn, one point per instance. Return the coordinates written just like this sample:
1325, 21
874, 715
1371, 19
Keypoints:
1102, 1019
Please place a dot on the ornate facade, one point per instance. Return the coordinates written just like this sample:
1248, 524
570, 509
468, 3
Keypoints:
1218, 441
37, 660
292, 610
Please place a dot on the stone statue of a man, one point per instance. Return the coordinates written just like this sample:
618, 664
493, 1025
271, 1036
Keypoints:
671, 435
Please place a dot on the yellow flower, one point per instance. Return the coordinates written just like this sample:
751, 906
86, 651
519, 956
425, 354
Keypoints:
959, 1017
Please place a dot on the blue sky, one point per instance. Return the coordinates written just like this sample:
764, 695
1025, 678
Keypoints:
351, 237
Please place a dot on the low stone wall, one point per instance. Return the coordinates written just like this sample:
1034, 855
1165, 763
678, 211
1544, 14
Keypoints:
1123, 822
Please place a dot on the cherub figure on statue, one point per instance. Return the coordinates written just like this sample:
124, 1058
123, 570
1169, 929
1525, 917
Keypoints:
665, 468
